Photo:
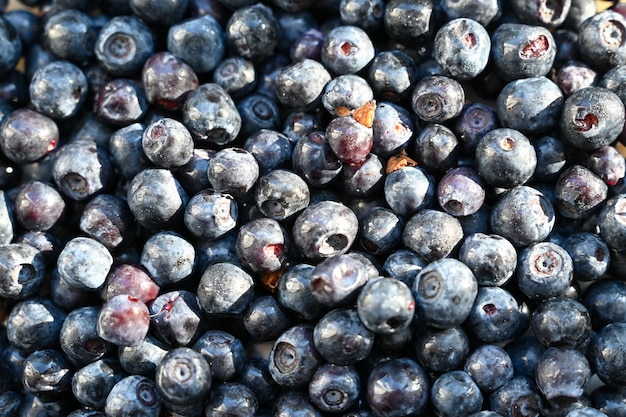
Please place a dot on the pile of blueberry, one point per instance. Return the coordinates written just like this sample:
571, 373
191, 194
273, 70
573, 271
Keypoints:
292, 208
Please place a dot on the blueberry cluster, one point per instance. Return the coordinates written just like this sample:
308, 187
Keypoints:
355, 208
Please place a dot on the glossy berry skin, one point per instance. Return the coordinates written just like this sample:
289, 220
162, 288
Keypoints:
295, 403
349, 91
491, 258
409, 189
522, 51
437, 98
167, 143
574, 76
530, 105
592, 118
605, 301
544, 270
129, 279
436, 148
604, 354
301, 84
601, 40
386, 305
462, 48
210, 214
432, 234
562, 374
143, 358
295, 295
483, 11
505, 158
262, 245
27, 136
349, 139
455, 392
233, 171
108, 219
183, 377
121, 102
579, 192
495, 315
518, 393
461, 192
541, 12
175, 317
126, 151
280, 194
81, 169
475, 120
167, 80
334, 388
156, 198
347, 50
255, 375
337, 280
265, 320
522, 226
391, 74
84, 263
293, 358
11, 403
22, 270
381, 231
252, 32
308, 45
404, 265
11, 46
79, 338
225, 288
551, 157
261, 113
561, 322
123, 320
133, 395
608, 164
444, 292
392, 129
490, 366
199, 42
236, 75
58, 89
38, 206
404, 388
409, 22
609, 400
123, 45
317, 238
211, 115
232, 398
223, 351
34, 324
70, 35
156, 12
341, 338
46, 373
92, 383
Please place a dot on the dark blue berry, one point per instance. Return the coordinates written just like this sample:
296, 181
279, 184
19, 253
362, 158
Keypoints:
133, 395
334, 388
293, 358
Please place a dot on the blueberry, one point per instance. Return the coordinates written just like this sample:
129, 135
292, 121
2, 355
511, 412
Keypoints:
129, 279
334, 388
22, 269
34, 323
551, 157
295, 403
58, 89
295, 295
123, 45
391, 74
381, 231
133, 395
610, 400
495, 315
586, 412
562, 374
126, 151
386, 305
252, 32
483, 11
522, 51
590, 255
346, 92
142, 358
530, 105
544, 270
432, 234
230, 399
409, 22
604, 301
444, 292
260, 113
233, 171
183, 377
123, 320
281, 194
608, 164
518, 394
10, 45
392, 129
461, 192
262, 245
293, 358
224, 288
10, 403
592, 118
156, 198
256, 376
605, 354
397, 387
265, 320
47, 373
490, 366
210, 214
84, 263
541, 12
601, 40
318, 238
462, 48
92, 383
27, 136
337, 280
314, 160
108, 219
491, 258
121, 102
175, 317
307, 46
224, 352
455, 393
198, 41
79, 338
403, 264
437, 98
409, 189
350, 139
70, 35
347, 50
523, 215
367, 14
301, 84
437, 148
341, 338
167, 80
574, 76
236, 75
156, 12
